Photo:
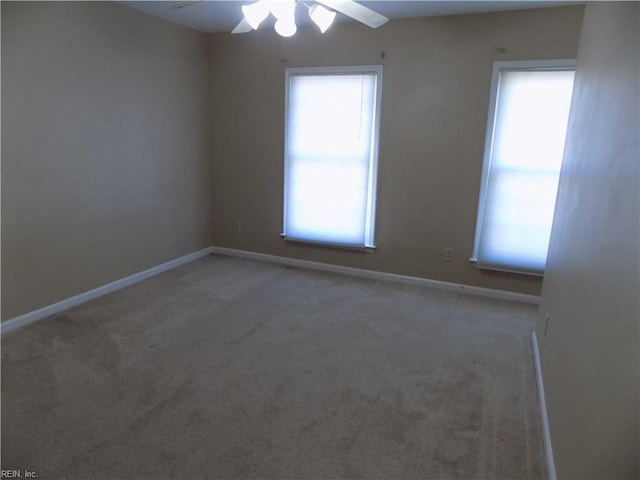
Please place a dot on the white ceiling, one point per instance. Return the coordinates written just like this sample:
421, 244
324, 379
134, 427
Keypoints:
222, 15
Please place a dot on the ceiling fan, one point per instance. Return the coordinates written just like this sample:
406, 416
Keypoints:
321, 12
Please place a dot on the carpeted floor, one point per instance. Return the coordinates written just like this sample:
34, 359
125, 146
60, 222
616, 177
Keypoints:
228, 368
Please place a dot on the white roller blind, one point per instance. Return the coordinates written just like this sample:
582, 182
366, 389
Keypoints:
330, 156
521, 181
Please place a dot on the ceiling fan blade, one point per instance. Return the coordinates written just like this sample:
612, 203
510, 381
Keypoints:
242, 27
356, 11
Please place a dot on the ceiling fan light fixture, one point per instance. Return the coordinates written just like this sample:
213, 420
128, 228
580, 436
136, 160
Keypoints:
321, 12
322, 17
256, 13
286, 27
282, 9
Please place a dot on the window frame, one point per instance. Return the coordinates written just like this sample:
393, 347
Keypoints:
564, 64
371, 210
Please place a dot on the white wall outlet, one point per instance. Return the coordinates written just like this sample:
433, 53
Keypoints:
447, 254
237, 227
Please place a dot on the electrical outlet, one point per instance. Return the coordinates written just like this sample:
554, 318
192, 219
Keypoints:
237, 227
447, 255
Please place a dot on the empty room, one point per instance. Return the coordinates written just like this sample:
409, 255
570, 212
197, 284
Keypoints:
320, 240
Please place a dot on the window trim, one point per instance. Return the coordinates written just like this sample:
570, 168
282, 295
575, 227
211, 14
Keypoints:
562, 64
373, 161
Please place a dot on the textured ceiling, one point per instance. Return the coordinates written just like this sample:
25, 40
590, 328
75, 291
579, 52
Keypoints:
223, 15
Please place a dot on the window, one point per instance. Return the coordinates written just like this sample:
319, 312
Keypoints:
528, 114
331, 149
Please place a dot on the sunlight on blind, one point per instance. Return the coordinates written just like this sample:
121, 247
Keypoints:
329, 158
532, 110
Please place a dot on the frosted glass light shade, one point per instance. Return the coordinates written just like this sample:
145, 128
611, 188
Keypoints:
286, 27
322, 17
256, 13
282, 9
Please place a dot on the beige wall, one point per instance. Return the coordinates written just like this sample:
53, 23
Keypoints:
437, 74
590, 354
105, 148
106, 139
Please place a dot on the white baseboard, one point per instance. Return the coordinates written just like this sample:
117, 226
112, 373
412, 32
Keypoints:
391, 277
542, 403
27, 318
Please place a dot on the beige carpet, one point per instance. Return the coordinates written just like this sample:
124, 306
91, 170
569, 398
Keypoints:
227, 368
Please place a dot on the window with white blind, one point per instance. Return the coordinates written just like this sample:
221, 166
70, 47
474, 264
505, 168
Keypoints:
528, 115
331, 150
